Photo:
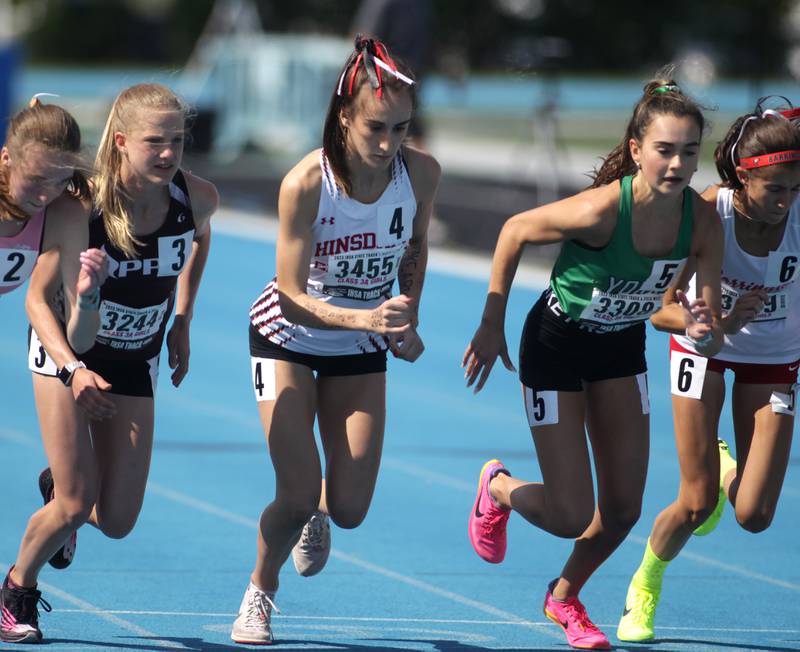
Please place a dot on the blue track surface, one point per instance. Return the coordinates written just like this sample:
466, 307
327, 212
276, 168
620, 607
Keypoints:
407, 578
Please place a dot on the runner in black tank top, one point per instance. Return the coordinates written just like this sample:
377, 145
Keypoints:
137, 298
153, 222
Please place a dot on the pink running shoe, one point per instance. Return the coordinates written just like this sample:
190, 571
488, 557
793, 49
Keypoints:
487, 522
581, 632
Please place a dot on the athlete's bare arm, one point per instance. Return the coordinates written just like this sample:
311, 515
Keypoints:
66, 236
589, 217
205, 201
700, 317
425, 173
297, 209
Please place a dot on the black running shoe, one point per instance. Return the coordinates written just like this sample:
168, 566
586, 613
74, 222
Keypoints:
66, 553
19, 622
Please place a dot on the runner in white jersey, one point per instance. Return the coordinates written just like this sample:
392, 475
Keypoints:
772, 336
356, 249
353, 219
759, 164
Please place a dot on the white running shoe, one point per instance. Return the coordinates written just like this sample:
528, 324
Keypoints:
252, 627
312, 549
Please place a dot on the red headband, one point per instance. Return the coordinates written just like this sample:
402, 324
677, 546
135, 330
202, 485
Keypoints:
762, 160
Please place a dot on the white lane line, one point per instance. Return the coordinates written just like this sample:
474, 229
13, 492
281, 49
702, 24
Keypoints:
427, 475
109, 617
19, 437
203, 506
424, 621
444, 481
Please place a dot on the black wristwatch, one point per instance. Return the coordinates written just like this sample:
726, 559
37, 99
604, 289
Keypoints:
66, 372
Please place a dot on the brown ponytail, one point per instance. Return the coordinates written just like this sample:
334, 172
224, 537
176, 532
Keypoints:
661, 96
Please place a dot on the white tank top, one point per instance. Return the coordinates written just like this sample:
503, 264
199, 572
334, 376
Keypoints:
355, 252
773, 337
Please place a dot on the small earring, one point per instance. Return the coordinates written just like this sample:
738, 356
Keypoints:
638, 165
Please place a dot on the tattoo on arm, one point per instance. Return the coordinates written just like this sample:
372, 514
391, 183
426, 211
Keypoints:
325, 316
407, 272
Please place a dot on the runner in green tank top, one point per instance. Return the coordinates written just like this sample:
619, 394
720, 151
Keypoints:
582, 362
614, 286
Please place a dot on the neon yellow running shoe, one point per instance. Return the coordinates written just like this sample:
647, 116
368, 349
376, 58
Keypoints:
638, 617
726, 463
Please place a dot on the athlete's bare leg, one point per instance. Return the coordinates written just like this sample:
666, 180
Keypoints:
763, 444
352, 416
618, 422
563, 503
696, 426
68, 446
123, 446
288, 423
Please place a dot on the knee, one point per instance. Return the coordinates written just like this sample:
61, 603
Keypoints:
755, 521
622, 519
75, 511
570, 523
699, 505
117, 527
347, 518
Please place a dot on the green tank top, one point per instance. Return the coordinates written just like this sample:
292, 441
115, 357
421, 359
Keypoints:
614, 287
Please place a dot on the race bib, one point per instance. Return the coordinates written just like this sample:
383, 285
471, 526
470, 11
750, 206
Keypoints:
628, 301
129, 328
612, 309
776, 306
782, 267
38, 360
362, 275
16, 265
541, 407
174, 252
687, 374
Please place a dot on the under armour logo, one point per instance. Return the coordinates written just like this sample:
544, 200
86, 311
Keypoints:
181, 217
327, 220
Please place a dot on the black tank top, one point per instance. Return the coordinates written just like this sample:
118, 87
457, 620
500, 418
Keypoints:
138, 296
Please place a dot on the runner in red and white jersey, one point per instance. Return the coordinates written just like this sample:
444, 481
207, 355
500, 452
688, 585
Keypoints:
759, 164
356, 249
353, 219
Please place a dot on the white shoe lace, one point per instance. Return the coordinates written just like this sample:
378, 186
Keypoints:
259, 609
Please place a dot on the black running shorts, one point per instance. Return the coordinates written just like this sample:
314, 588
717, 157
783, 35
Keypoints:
323, 365
556, 354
